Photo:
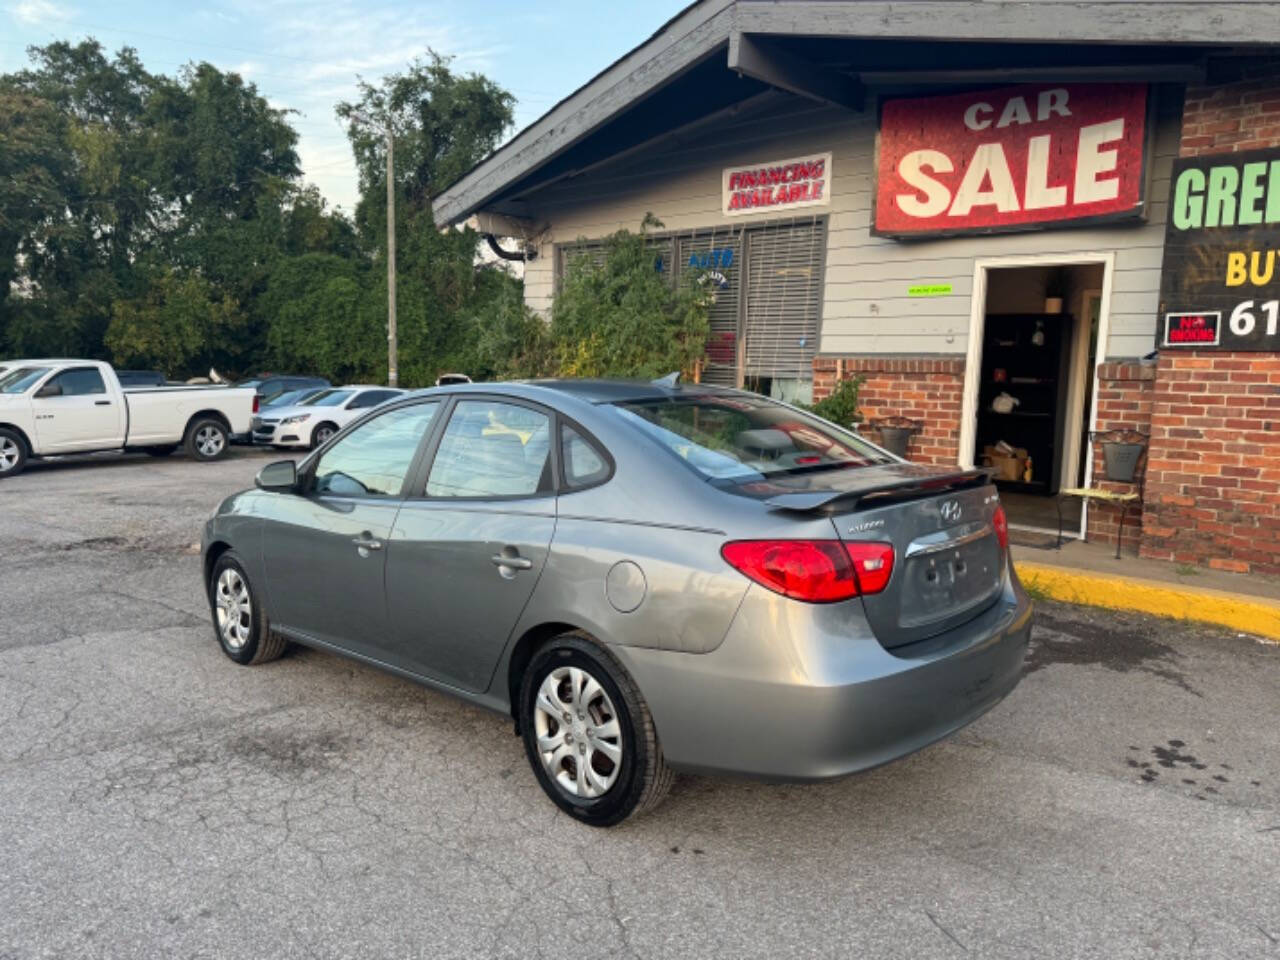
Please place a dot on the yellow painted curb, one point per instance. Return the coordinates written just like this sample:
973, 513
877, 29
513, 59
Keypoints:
1255, 615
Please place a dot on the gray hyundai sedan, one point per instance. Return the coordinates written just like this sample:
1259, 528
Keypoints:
648, 578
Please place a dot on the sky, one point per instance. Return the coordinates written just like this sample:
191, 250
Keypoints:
305, 55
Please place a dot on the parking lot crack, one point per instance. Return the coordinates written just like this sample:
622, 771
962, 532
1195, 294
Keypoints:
945, 932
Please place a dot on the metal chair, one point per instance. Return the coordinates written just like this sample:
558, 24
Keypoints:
1124, 460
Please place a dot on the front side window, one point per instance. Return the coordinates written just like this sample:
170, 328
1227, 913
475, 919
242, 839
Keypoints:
330, 398
745, 438
492, 449
79, 382
21, 379
374, 459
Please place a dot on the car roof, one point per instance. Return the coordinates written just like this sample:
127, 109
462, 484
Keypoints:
616, 391
366, 386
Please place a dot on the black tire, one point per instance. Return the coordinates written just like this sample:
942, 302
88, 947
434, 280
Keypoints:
260, 643
321, 434
643, 777
13, 453
199, 442
160, 451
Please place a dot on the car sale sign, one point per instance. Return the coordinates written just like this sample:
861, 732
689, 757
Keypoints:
1017, 158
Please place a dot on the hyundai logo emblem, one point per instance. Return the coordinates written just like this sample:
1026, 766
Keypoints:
950, 510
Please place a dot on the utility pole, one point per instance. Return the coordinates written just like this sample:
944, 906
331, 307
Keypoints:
393, 350
393, 373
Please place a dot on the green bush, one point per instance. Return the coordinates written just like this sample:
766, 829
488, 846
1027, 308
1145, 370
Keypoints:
620, 316
841, 405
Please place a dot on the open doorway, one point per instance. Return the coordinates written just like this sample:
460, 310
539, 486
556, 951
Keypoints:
1029, 383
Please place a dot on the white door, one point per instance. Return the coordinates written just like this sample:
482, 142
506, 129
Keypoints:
80, 415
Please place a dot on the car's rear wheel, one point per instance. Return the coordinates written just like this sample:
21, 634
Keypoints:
206, 439
320, 436
238, 618
13, 453
588, 733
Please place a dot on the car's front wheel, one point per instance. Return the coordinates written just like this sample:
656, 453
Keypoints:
238, 618
322, 434
588, 733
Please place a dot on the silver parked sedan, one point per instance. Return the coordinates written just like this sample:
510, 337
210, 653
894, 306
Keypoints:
647, 577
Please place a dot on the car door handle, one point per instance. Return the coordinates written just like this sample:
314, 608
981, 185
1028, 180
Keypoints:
367, 543
515, 563
102, 403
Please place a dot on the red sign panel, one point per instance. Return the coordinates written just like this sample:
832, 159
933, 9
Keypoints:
1192, 329
1010, 159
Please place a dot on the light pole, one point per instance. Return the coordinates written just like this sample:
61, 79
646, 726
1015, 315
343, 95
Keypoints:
393, 372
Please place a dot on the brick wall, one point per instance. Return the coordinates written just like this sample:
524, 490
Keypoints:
1213, 482
1240, 110
1213, 487
927, 389
1125, 394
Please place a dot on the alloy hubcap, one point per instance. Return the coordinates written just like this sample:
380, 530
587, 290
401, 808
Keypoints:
579, 736
8, 454
234, 610
323, 435
209, 441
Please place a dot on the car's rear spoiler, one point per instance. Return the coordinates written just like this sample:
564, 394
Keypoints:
878, 490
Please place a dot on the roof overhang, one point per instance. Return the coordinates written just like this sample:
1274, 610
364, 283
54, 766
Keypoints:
714, 42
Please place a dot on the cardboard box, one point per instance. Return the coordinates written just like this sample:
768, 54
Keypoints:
1007, 466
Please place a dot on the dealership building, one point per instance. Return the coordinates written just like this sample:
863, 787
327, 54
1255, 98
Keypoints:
1031, 229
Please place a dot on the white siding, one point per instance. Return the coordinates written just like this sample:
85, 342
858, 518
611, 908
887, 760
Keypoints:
866, 309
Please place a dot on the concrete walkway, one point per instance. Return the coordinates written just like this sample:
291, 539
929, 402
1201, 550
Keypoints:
1090, 574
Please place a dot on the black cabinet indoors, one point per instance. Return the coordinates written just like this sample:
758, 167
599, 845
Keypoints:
1028, 357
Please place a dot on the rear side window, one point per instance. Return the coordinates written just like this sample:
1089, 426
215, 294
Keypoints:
583, 463
492, 449
371, 398
80, 381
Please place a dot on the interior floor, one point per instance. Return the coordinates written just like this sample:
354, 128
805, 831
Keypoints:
1030, 510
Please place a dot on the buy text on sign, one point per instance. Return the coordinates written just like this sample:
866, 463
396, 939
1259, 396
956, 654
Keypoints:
1013, 158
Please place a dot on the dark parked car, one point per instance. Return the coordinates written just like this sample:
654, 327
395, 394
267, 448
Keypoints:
646, 577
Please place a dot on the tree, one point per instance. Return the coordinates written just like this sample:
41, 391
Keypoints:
443, 123
177, 325
619, 316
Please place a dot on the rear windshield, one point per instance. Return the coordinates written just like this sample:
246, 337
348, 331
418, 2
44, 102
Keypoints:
744, 438
329, 398
21, 379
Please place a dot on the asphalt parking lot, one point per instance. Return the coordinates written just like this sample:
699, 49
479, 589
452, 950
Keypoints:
158, 801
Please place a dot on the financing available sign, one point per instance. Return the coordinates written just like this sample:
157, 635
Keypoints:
1220, 284
777, 186
1027, 157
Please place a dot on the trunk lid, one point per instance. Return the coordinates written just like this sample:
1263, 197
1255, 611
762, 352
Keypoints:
948, 564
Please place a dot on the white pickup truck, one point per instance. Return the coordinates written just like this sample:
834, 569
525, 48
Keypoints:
50, 408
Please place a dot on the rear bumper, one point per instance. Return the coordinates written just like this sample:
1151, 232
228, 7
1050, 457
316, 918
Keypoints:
791, 695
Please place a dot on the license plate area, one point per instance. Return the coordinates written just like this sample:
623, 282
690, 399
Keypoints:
946, 580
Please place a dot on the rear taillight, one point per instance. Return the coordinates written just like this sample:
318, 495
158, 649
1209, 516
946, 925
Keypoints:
817, 571
872, 565
256, 399
1001, 523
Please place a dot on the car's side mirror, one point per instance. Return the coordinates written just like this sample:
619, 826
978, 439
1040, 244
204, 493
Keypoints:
50, 390
281, 475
